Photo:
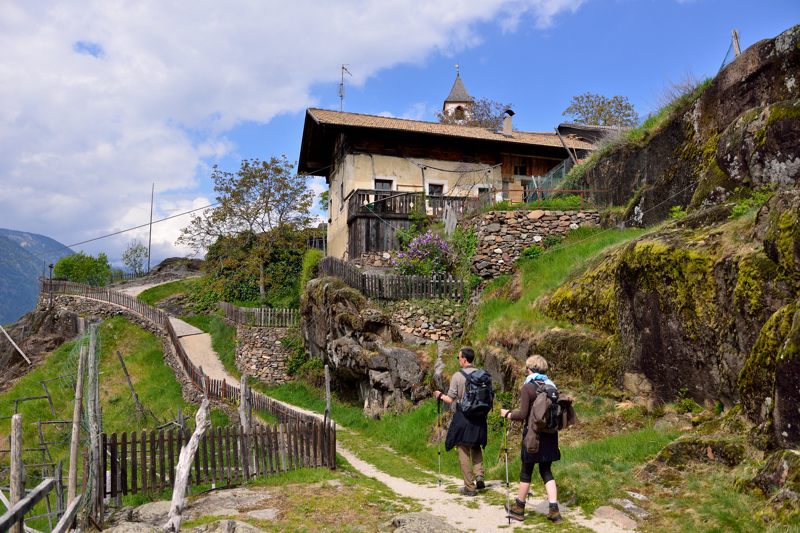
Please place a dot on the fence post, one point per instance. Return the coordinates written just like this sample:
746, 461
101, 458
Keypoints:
17, 472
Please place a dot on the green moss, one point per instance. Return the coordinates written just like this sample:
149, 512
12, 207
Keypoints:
757, 378
680, 276
590, 299
754, 271
787, 238
777, 112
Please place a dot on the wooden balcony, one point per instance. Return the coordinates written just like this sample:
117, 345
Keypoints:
398, 204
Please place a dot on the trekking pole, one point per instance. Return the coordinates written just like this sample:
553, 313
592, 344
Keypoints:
505, 451
439, 437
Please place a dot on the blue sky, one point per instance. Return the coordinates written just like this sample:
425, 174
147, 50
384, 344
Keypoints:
101, 102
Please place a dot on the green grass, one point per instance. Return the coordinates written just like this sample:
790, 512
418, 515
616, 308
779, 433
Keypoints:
153, 380
153, 295
543, 274
569, 202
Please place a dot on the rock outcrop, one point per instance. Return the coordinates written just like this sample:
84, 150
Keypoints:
341, 328
741, 130
708, 311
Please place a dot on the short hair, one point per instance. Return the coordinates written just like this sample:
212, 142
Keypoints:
467, 353
537, 363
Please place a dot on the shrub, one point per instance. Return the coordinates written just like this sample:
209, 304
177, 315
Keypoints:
298, 357
532, 252
677, 212
426, 254
685, 404
552, 240
752, 201
311, 259
464, 244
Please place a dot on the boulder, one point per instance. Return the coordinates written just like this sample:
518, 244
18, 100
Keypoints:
421, 523
342, 329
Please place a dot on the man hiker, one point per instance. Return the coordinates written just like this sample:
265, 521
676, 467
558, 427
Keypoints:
470, 396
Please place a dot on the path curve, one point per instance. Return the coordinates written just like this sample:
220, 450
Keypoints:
460, 512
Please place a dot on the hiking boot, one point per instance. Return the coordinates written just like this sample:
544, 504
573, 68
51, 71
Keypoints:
479, 484
464, 491
516, 511
554, 515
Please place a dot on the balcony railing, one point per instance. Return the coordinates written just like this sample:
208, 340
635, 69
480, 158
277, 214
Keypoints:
365, 202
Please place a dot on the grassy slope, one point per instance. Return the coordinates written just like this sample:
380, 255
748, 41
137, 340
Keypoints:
153, 295
541, 275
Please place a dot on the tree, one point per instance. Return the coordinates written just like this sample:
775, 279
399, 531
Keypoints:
595, 109
134, 257
82, 268
483, 113
259, 205
324, 198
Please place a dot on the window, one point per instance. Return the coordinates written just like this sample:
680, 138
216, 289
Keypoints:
520, 169
436, 189
458, 113
383, 185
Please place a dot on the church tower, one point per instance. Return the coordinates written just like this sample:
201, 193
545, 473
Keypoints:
458, 103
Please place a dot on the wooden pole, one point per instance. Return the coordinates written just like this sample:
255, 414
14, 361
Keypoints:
93, 408
72, 477
184, 468
17, 469
14, 344
246, 421
737, 51
139, 406
327, 392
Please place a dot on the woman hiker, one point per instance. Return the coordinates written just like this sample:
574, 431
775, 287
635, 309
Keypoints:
535, 368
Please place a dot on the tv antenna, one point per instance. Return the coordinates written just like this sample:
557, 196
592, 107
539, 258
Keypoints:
341, 87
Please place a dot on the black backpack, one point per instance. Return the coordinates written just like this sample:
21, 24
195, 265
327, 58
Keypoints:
552, 416
478, 394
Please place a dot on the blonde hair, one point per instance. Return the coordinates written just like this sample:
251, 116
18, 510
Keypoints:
536, 363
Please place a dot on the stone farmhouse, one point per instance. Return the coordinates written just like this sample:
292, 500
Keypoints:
381, 170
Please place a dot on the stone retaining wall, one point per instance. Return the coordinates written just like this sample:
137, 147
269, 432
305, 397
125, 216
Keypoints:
259, 353
435, 320
503, 235
375, 259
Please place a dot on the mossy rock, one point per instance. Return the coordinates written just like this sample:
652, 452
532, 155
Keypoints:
756, 381
703, 450
782, 233
779, 480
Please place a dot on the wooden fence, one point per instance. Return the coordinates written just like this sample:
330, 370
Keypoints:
213, 388
153, 314
393, 287
261, 316
145, 461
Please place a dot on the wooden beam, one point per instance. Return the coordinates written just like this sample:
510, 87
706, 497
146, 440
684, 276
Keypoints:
69, 515
16, 514
72, 476
15, 345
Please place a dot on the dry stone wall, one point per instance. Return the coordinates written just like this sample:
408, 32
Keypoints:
435, 320
503, 235
260, 353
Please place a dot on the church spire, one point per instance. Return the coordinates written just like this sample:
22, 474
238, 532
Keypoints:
458, 102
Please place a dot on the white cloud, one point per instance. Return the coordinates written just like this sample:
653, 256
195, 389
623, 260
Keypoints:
102, 98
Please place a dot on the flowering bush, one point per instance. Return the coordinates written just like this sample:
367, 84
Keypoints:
426, 254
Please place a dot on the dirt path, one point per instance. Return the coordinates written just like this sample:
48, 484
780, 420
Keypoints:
462, 513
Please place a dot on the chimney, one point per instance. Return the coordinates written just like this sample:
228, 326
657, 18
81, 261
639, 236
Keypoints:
507, 129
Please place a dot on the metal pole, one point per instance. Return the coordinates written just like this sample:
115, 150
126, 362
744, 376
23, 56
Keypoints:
150, 236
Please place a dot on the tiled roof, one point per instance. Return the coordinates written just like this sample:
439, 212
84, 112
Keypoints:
339, 118
458, 93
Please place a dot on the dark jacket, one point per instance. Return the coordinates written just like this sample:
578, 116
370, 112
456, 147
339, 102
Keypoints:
465, 431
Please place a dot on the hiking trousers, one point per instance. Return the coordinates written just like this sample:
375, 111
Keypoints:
471, 461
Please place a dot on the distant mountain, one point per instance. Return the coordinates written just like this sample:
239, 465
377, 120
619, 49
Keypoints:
22, 256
